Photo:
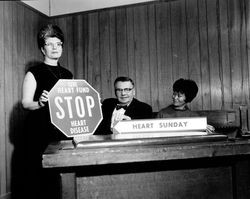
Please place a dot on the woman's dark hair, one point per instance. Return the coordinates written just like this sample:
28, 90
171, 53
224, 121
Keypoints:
187, 87
49, 30
123, 79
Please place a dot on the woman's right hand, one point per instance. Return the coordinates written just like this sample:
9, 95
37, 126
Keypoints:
43, 98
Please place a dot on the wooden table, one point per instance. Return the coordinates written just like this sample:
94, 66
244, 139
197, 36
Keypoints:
184, 167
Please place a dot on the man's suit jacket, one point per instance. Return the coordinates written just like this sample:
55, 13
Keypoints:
135, 110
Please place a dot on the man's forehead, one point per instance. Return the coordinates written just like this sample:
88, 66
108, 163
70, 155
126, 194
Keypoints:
123, 84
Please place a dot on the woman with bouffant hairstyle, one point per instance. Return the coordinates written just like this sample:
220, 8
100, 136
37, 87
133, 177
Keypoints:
184, 91
37, 83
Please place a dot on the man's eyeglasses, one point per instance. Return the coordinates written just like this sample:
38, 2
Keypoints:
125, 90
52, 45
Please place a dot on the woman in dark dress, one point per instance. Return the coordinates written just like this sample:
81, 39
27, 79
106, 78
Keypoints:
38, 81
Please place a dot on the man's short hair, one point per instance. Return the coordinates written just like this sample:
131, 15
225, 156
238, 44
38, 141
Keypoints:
187, 87
123, 79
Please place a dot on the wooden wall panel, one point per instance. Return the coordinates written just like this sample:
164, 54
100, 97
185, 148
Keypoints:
193, 45
247, 10
164, 56
70, 44
160, 42
131, 42
2, 105
227, 100
235, 50
94, 74
105, 54
113, 52
153, 64
79, 51
244, 61
121, 42
205, 92
179, 39
213, 49
8, 73
18, 50
141, 66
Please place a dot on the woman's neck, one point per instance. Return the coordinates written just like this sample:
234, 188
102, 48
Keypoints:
181, 108
51, 62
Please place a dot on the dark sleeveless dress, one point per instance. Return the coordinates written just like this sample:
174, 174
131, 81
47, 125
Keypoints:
39, 126
39, 132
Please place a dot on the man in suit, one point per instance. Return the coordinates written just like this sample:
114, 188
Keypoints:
123, 107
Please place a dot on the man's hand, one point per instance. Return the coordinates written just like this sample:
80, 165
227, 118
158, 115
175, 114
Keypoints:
125, 117
120, 116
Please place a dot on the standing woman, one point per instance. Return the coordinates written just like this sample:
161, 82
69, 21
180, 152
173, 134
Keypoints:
37, 83
41, 78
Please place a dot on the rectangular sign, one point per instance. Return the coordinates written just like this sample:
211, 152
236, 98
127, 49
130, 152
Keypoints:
191, 124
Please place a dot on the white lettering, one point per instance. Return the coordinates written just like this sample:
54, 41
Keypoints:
65, 90
82, 90
68, 99
79, 106
72, 84
143, 126
90, 104
172, 124
75, 123
79, 130
60, 114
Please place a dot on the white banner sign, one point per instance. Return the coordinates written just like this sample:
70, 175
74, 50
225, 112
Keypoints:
161, 125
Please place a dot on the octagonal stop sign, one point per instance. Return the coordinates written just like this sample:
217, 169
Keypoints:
75, 107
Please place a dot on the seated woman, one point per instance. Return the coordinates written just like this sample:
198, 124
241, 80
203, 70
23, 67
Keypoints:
184, 91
